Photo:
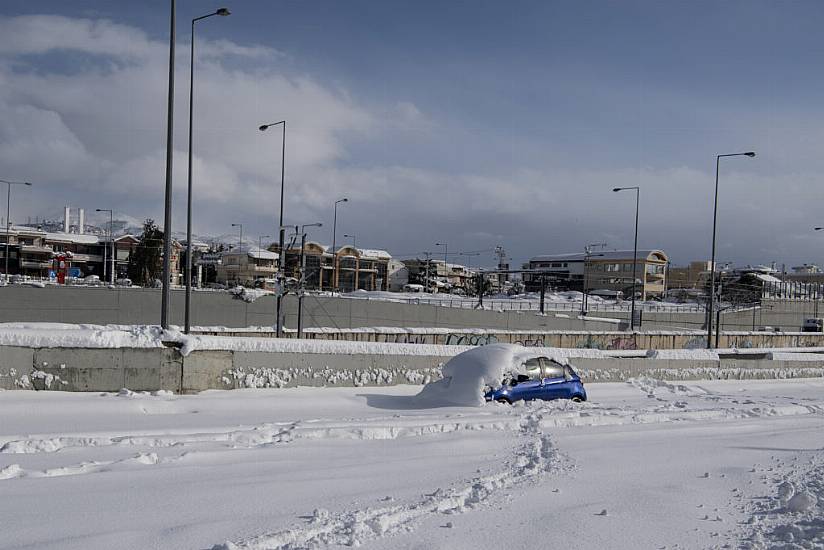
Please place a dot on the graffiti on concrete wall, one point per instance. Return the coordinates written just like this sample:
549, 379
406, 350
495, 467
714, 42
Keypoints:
739, 342
623, 343
408, 338
607, 342
537, 342
470, 339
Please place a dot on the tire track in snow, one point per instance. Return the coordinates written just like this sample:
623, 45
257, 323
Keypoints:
262, 435
16, 471
535, 456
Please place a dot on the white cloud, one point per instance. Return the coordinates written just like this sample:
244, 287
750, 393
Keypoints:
96, 131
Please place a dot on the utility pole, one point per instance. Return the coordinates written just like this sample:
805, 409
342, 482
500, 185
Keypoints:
543, 290
501, 253
426, 272
587, 255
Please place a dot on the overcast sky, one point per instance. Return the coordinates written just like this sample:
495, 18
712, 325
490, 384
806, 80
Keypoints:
467, 122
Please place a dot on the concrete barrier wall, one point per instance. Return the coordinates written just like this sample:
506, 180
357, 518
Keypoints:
141, 306
604, 340
101, 305
73, 369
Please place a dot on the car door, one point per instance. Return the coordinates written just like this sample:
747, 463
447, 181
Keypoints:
530, 388
553, 384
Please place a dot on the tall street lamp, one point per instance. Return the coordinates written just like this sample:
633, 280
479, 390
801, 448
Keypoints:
354, 240
635, 248
282, 233
712, 259
8, 222
166, 293
188, 269
111, 238
334, 235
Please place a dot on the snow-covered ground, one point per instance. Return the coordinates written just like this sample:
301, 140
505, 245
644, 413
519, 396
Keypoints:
646, 464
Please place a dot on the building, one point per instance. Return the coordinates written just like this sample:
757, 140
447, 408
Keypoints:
245, 267
347, 270
609, 270
806, 269
398, 275
27, 250
563, 271
695, 275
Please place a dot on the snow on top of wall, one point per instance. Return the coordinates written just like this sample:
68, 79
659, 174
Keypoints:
788, 356
292, 345
62, 335
689, 354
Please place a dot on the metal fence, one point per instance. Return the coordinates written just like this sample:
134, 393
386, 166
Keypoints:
535, 305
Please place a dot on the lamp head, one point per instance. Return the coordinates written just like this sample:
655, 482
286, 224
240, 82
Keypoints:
223, 12
750, 154
616, 189
263, 128
818, 228
27, 183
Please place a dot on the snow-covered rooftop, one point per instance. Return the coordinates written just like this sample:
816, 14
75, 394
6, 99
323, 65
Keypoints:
374, 253
73, 238
605, 255
261, 254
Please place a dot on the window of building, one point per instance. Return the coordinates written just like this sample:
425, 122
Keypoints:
613, 267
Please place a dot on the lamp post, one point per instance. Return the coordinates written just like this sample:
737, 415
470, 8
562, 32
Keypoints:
166, 293
111, 238
282, 233
303, 273
712, 258
354, 239
8, 223
428, 256
635, 249
334, 235
188, 268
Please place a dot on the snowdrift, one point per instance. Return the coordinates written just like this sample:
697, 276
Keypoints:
466, 374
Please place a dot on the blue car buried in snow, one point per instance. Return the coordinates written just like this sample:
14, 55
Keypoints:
545, 379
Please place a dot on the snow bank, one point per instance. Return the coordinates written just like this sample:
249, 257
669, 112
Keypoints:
190, 343
684, 354
788, 356
62, 335
466, 374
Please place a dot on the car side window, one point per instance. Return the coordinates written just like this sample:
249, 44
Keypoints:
533, 368
551, 369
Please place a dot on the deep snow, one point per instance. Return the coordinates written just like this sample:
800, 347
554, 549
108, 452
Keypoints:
646, 464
